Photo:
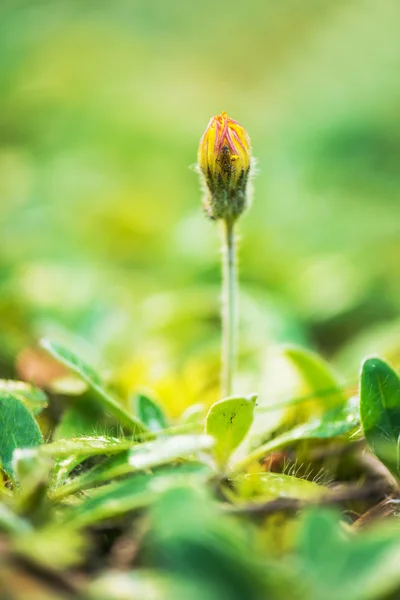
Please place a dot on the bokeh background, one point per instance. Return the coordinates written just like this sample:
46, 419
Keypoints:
103, 242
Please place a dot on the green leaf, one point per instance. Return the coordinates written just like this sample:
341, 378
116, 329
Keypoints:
316, 374
18, 429
337, 566
380, 411
33, 398
190, 536
137, 491
113, 500
140, 457
228, 421
150, 413
162, 451
266, 486
92, 379
86, 446
334, 423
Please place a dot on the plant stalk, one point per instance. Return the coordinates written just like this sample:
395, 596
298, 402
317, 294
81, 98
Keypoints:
229, 299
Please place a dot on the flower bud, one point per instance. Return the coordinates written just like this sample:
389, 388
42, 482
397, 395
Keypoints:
224, 160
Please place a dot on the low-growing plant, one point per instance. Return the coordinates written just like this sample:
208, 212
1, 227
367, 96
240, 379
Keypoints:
177, 514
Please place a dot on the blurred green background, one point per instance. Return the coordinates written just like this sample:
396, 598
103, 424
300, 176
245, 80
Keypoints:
103, 242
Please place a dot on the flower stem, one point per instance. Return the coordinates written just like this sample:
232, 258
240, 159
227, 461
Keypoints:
228, 306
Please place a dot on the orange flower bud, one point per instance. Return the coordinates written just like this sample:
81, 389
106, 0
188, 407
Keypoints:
224, 159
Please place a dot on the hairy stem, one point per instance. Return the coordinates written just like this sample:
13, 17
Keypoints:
228, 306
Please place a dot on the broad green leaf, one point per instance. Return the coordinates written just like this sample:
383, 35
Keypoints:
265, 486
228, 421
18, 429
137, 491
140, 457
86, 446
316, 374
162, 451
92, 379
33, 398
334, 423
380, 411
337, 566
150, 413
190, 535
114, 500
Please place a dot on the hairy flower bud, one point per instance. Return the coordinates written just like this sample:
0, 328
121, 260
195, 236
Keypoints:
224, 159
